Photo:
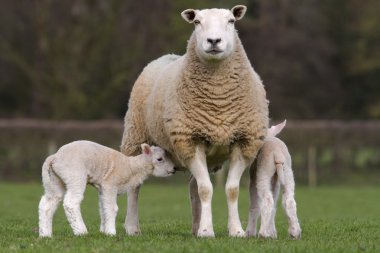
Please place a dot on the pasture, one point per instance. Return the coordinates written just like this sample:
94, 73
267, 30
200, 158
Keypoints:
333, 219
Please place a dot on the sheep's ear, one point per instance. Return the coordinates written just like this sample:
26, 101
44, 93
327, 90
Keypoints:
275, 130
238, 11
189, 15
146, 149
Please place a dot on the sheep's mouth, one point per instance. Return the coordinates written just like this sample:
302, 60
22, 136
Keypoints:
171, 172
214, 51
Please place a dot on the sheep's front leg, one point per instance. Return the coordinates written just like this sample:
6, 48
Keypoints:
198, 167
195, 204
132, 220
254, 209
237, 167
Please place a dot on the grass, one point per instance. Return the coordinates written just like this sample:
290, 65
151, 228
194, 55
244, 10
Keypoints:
333, 220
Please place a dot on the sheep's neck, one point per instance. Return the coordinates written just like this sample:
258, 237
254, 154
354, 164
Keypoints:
215, 94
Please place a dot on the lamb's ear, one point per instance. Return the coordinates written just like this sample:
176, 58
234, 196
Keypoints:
275, 130
238, 11
146, 149
189, 15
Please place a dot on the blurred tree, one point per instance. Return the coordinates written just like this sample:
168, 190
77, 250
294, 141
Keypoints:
79, 59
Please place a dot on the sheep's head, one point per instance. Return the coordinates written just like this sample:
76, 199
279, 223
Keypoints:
162, 164
214, 31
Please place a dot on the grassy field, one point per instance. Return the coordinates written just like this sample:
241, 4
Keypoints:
333, 220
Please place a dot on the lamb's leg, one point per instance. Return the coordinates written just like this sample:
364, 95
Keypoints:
237, 167
289, 203
109, 204
198, 167
195, 204
266, 201
131, 224
47, 207
101, 212
254, 209
54, 191
275, 192
71, 204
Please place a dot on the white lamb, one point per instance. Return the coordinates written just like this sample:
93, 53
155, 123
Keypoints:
273, 168
66, 174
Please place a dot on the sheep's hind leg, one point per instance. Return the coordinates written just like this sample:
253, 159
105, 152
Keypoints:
195, 204
131, 224
254, 209
198, 167
237, 166
71, 204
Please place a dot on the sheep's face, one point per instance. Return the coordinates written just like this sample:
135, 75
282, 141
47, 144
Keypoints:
214, 31
162, 164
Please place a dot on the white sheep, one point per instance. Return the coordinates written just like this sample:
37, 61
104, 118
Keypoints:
273, 168
66, 174
204, 108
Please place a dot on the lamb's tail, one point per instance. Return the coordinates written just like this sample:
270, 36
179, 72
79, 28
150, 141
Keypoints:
47, 170
274, 130
279, 160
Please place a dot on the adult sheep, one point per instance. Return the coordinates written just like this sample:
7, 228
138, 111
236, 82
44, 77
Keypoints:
204, 108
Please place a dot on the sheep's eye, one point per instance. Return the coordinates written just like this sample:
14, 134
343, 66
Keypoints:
159, 159
197, 22
231, 21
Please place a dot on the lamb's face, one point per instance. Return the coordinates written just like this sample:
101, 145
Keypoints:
162, 164
214, 31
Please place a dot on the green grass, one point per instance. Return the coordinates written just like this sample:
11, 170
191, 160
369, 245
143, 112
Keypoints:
332, 219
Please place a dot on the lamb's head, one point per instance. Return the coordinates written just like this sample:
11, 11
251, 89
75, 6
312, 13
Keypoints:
214, 31
162, 164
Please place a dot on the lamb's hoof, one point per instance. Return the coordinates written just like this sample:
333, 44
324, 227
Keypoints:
250, 233
206, 233
267, 235
133, 231
239, 232
295, 233
81, 233
45, 235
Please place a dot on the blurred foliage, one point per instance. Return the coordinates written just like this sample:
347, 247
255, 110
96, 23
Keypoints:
78, 59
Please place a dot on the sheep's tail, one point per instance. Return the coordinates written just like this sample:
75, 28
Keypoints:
274, 130
279, 161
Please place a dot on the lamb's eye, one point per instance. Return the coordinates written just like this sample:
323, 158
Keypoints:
197, 22
231, 21
159, 159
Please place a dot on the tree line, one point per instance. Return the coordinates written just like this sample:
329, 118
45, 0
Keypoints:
79, 59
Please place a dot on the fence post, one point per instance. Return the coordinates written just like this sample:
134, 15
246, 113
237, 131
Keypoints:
312, 166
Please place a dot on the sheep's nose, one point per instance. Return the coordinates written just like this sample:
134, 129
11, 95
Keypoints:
214, 42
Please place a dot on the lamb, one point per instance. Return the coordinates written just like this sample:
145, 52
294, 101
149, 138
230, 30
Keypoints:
203, 108
273, 168
66, 173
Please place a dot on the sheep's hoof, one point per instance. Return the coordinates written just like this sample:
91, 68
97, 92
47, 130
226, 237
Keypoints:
206, 233
250, 233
